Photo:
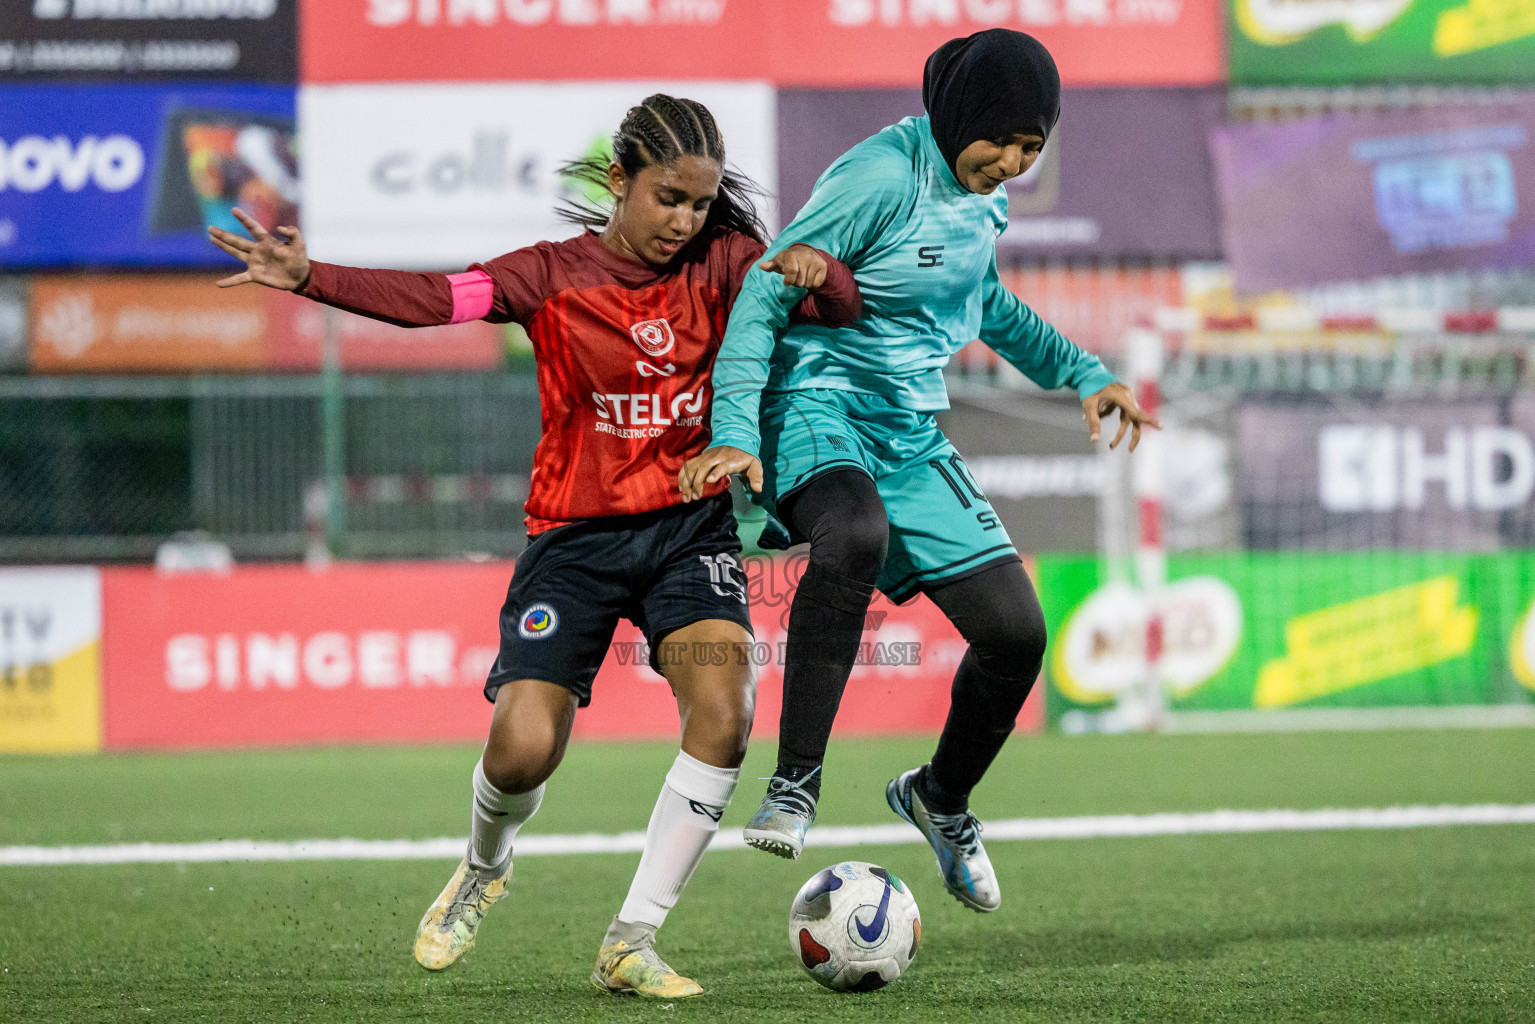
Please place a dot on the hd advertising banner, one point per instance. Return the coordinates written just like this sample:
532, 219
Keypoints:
1126, 172
436, 177
1350, 197
788, 42
131, 40
1350, 474
1302, 42
134, 175
1280, 630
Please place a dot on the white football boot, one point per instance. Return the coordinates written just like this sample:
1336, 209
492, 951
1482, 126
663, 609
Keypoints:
956, 838
780, 824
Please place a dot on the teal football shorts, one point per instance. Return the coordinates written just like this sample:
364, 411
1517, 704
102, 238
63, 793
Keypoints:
942, 528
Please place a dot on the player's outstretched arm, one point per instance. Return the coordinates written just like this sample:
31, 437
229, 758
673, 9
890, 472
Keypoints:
1045, 356
275, 262
715, 464
396, 297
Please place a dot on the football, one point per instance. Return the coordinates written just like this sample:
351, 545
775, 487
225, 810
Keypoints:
854, 926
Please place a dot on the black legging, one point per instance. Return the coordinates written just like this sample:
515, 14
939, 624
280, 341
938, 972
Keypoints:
995, 610
841, 514
998, 614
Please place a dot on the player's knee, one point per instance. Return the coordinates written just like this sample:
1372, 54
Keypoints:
522, 765
721, 727
854, 546
1012, 643
842, 515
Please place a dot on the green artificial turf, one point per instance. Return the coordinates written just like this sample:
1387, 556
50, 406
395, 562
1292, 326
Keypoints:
1415, 925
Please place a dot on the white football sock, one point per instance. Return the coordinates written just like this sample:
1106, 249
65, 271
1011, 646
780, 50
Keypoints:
686, 817
495, 818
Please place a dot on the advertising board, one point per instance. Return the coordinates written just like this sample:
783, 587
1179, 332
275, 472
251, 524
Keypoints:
1352, 197
1126, 172
50, 661
790, 42
1343, 42
1279, 630
436, 177
125, 40
133, 175
280, 655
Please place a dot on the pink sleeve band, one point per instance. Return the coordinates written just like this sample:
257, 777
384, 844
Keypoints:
473, 293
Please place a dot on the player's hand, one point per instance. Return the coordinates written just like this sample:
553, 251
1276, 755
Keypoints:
274, 262
1131, 415
715, 464
800, 266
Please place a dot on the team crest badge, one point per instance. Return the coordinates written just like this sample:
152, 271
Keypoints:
654, 337
538, 621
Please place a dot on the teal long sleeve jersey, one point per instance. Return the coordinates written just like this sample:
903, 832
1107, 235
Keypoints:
923, 251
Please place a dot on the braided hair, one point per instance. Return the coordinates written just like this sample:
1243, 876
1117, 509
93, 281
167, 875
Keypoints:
658, 131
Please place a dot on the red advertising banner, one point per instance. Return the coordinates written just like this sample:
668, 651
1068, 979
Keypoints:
279, 655
792, 42
537, 40
1094, 42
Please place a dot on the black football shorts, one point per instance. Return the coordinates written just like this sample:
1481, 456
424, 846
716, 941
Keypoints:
661, 570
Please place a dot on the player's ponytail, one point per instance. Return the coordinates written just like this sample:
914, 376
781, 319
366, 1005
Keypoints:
659, 131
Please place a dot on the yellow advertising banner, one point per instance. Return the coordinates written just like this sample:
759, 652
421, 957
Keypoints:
50, 661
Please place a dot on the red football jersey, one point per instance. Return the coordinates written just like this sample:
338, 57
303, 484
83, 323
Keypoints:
624, 353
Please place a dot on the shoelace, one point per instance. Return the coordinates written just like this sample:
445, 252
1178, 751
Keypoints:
789, 796
468, 895
961, 830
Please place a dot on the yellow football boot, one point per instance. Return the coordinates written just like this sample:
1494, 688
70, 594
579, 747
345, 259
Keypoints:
627, 965
447, 931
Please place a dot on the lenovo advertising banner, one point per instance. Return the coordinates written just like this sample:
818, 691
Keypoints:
123, 40
1426, 474
1126, 172
1351, 197
789, 42
139, 323
133, 175
1344, 42
1278, 630
436, 177
399, 653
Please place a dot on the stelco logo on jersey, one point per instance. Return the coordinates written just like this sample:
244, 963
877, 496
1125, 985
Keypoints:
644, 415
654, 337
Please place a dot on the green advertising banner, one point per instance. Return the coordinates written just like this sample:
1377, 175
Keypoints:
1279, 630
1337, 42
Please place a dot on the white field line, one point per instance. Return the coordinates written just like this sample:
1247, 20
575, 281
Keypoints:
1090, 827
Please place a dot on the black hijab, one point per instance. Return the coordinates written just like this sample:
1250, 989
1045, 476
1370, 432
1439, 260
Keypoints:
989, 85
